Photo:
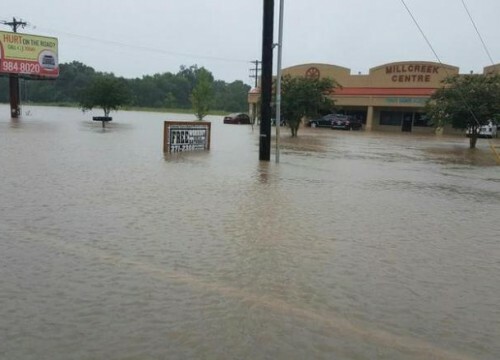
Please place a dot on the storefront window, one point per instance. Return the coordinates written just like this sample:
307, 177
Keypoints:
392, 118
421, 119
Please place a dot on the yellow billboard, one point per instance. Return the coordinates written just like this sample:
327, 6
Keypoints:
26, 54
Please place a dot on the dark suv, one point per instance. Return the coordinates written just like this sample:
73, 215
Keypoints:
346, 122
237, 118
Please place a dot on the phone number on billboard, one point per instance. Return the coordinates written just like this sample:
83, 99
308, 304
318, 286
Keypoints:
20, 67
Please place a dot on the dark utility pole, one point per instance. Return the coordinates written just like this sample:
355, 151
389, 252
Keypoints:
15, 111
267, 81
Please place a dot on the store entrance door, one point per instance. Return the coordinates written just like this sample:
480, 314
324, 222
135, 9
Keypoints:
407, 122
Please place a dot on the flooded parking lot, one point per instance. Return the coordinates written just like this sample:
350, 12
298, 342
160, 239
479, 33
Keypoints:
355, 246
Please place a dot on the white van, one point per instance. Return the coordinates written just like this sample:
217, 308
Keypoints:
485, 131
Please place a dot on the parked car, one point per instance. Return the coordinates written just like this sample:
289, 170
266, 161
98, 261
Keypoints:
237, 118
490, 130
324, 121
346, 122
282, 122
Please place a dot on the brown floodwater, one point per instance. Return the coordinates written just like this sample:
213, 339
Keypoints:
355, 246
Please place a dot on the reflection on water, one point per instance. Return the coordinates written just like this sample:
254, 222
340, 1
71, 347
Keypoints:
356, 246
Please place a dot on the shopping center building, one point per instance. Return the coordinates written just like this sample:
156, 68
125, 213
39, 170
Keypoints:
391, 97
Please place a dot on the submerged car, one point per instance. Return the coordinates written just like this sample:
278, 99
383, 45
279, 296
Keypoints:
346, 122
237, 118
324, 121
490, 130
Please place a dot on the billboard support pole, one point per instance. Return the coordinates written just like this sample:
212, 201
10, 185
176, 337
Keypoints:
15, 111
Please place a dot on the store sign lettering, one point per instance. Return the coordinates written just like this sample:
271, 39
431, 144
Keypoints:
406, 101
412, 73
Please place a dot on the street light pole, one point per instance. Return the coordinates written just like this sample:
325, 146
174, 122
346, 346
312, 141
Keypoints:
278, 82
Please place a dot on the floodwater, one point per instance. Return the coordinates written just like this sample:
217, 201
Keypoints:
355, 246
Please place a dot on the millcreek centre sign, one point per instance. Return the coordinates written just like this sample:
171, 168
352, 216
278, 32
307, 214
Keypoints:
186, 136
29, 55
412, 73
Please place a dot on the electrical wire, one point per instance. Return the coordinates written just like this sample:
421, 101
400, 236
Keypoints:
489, 56
137, 47
464, 99
165, 52
422, 32
478, 33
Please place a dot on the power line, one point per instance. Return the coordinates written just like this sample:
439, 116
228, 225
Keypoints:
421, 31
464, 99
156, 50
119, 44
478, 33
125, 46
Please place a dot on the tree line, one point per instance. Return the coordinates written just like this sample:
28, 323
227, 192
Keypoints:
464, 101
162, 91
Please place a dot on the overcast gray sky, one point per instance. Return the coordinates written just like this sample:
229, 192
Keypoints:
133, 38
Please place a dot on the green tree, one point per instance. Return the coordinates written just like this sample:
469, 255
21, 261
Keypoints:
202, 95
305, 97
232, 97
105, 91
66, 89
146, 93
73, 78
466, 101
